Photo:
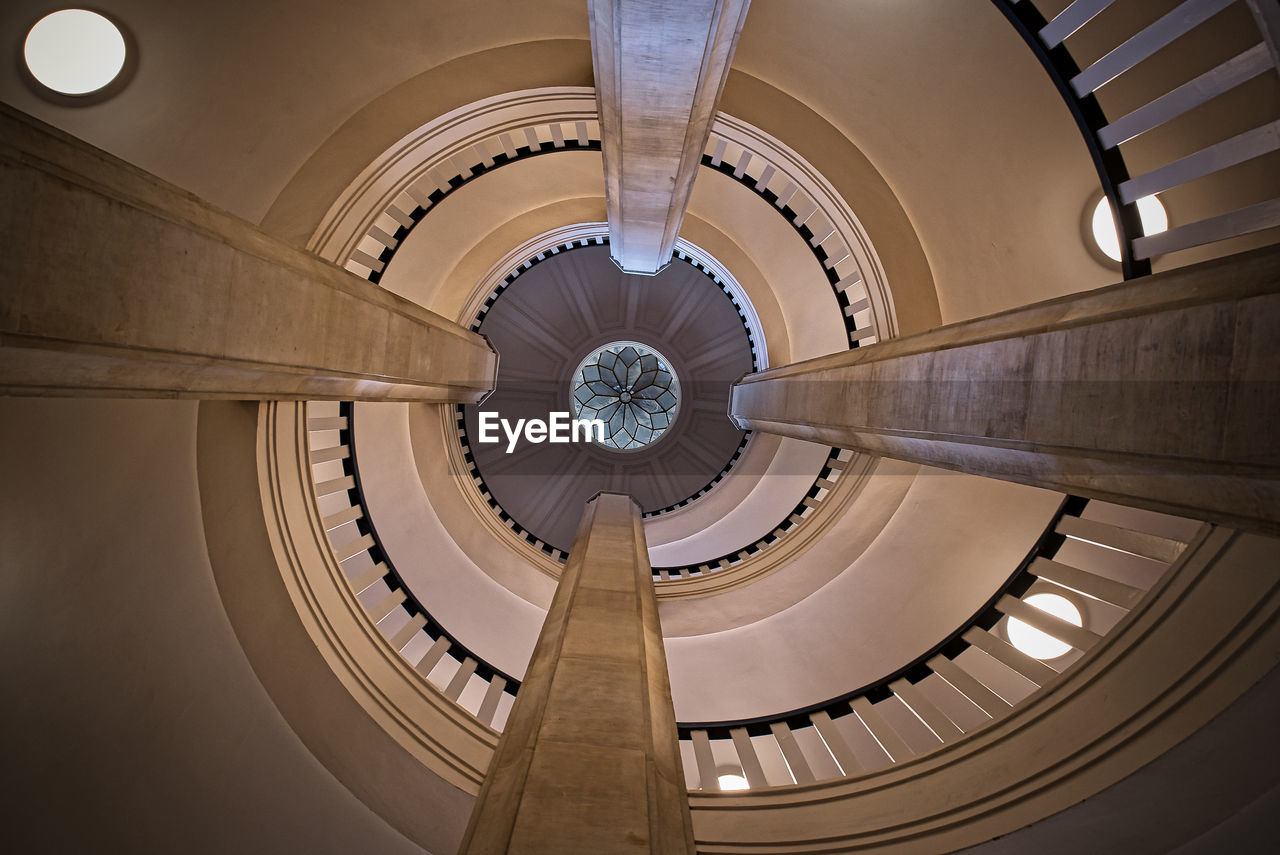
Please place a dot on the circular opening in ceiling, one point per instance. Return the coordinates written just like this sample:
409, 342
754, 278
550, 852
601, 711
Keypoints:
1032, 641
632, 389
1154, 221
74, 51
730, 783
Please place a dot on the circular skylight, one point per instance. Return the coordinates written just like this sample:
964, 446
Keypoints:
1032, 641
1152, 213
74, 51
632, 389
729, 783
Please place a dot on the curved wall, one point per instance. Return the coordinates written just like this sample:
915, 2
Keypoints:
133, 721
1203, 637
461, 229
136, 667
932, 566
946, 103
963, 118
425, 266
498, 623
436, 263
239, 103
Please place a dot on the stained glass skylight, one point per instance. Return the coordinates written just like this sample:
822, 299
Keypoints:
632, 389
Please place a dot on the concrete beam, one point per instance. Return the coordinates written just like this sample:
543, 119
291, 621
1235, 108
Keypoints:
660, 66
119, 284
1162, 393
589, 761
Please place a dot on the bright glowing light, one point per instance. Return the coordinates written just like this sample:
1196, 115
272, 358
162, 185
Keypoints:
1154, 221
74, 51
733, 782
1032, 641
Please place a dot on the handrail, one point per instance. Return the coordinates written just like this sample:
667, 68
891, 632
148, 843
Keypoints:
368, 567
393, 579
839, 249
1089, 118
794, 190
1202, 636
787, 728
1079, 87
878, 731
986, 616
811, 216
822, 486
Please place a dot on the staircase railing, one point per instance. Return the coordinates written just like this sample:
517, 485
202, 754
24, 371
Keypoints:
1219, 208
973, 676
464, 677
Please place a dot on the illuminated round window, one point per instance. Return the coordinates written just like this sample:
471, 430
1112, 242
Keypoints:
729, 783
74, 51
632, 389
1152, 213
1032, 641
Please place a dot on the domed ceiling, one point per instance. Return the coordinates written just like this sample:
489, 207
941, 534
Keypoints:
545, 323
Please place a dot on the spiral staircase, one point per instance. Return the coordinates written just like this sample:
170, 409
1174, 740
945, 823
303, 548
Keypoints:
304, 621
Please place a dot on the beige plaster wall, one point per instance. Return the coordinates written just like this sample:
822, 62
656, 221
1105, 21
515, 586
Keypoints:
443, 260
527, 64
230, 99
856, 179
947, 103
929, 116
132, 721
930, 567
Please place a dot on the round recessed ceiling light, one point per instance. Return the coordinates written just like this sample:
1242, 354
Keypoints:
729, 783
74, 51
1154, 221
1032, 641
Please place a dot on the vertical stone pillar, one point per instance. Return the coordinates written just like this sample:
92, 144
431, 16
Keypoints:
589, 762
660, 66
116, 283
1161, 392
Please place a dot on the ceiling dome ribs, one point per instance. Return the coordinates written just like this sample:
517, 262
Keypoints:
676, 312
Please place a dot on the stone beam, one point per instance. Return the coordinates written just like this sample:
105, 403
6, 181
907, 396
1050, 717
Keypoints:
1162, 393
660, 66
116, 283
589, 761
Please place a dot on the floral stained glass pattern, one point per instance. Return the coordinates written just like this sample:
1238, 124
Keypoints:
632, 389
